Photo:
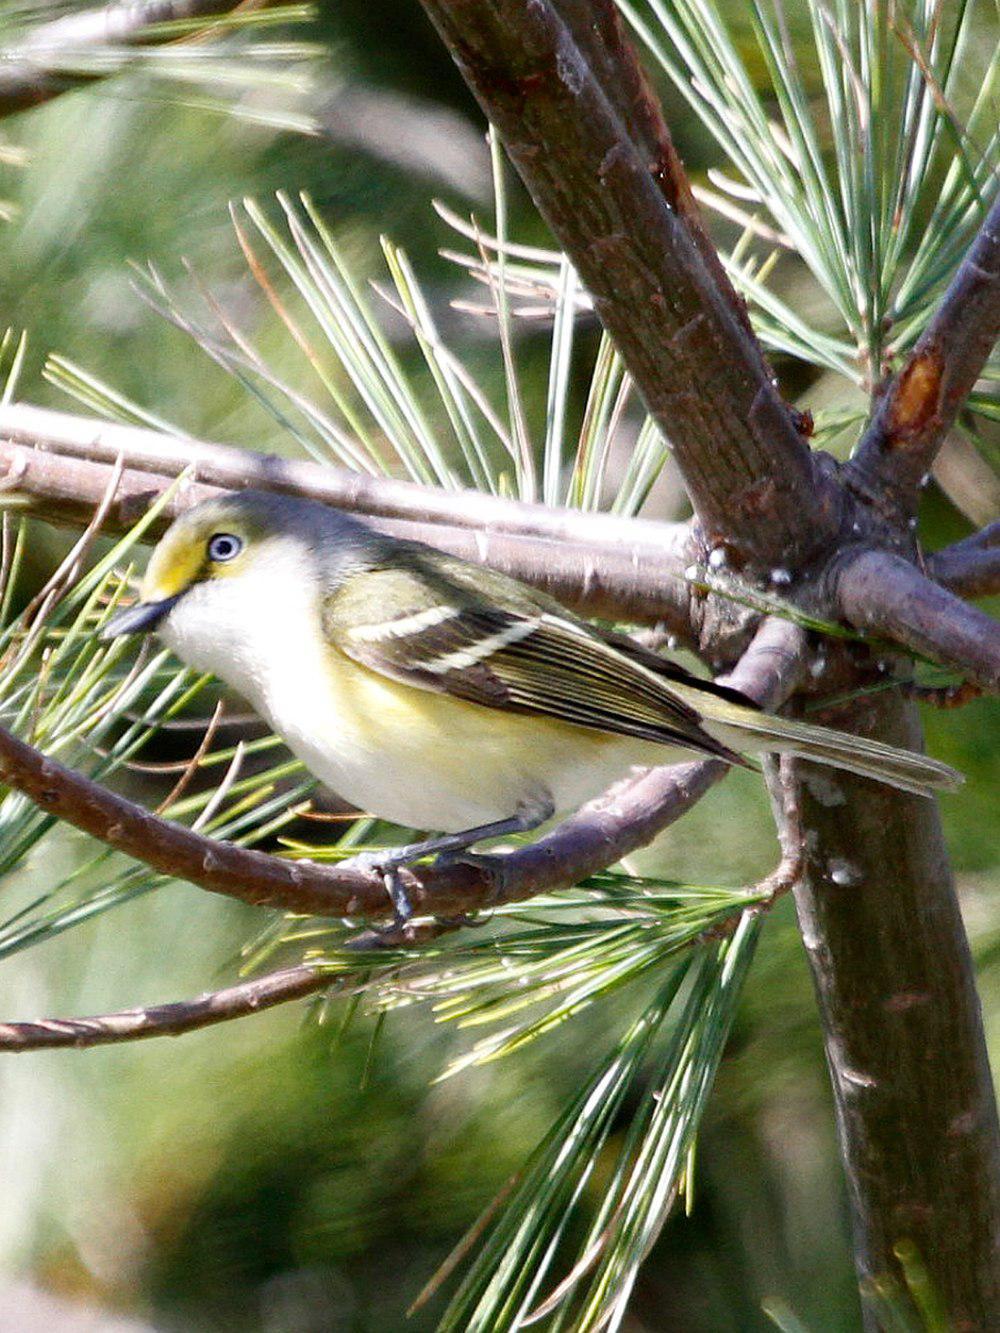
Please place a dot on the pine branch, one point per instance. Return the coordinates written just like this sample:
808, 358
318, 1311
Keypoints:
627, 817
378, 497
884, 594
703, 377
971, 567
166, 1020
921, 403
289, 984
600, 564
26, 82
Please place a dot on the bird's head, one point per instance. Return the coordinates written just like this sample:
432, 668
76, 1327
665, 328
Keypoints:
235, 563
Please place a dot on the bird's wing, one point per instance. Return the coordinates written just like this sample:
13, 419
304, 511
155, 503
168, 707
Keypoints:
495, 643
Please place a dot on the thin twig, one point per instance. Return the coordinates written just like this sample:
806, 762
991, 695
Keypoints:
69, 567
166, 1020
26, 75
191, 766
275, 988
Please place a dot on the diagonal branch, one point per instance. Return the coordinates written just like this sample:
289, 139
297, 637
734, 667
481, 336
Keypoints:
881, 592
599, 564
26, 76
704, 378
918, 408
599, 32
971, 567
166, 1020
627, 817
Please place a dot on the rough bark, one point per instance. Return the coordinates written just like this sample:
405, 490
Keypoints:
703, 377
902, 1025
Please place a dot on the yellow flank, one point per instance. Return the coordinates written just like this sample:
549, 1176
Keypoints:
431, 760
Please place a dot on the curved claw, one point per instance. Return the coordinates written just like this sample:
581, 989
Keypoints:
387, 864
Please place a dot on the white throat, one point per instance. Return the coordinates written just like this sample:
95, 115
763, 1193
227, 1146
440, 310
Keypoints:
259, 631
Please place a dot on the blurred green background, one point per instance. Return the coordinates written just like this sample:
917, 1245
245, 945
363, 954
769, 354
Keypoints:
266, 1175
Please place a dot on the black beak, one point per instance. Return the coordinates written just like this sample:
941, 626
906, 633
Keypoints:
138, 619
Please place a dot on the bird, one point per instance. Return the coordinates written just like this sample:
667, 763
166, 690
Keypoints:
438, 695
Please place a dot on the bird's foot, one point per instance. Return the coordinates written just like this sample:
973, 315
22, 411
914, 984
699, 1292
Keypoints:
387, 863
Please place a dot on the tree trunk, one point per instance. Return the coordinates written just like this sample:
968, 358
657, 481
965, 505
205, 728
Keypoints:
903, 1030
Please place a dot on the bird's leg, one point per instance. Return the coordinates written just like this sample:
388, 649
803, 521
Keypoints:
388, 861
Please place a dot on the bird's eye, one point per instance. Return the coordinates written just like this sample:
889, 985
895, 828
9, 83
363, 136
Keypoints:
224, 546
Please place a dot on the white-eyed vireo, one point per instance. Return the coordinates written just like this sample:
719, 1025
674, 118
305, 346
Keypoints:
437, 694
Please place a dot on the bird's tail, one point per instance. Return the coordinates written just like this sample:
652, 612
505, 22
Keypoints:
747, 729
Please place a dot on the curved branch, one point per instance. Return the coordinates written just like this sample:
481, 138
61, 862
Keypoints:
971, 567
921, 403
167, 1020
615, 569
704, 378
884, 593
625, 818
26, 77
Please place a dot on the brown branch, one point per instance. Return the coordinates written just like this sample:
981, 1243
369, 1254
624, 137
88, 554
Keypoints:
26, 75
166, 1020
885, 594
282, 987
918, 408
703, 377
610, 574
227, 466
599, 32
971, 567
253, 996
627, 817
